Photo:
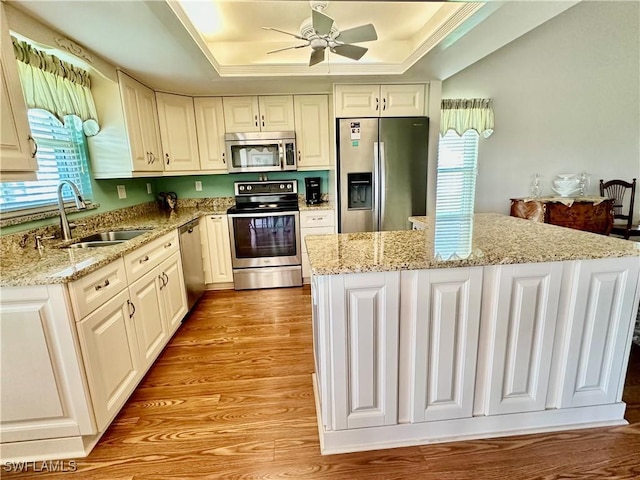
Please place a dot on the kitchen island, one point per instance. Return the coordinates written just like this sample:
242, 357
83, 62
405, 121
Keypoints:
494, 326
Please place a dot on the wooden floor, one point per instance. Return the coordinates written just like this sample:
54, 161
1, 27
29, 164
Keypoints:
231, 397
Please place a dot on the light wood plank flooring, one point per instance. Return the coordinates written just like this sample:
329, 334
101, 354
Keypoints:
231, 397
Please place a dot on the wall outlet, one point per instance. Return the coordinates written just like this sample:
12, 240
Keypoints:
149, 189
198, 186
122, 192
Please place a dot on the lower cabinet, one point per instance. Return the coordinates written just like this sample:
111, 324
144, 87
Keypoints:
314, 222
218, 267
111, 355
173, 296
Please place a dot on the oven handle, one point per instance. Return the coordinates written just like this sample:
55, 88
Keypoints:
265, 214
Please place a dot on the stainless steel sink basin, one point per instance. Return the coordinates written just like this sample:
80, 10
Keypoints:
114, 236
105, 239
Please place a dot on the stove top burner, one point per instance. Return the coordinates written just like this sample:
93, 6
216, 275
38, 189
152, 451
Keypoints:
265, 196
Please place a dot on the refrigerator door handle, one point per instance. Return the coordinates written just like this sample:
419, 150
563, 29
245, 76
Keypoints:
376, 187
382, 182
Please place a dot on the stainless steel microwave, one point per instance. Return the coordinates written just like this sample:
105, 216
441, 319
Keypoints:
260, 151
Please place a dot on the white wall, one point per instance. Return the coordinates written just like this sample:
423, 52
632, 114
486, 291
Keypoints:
566, 99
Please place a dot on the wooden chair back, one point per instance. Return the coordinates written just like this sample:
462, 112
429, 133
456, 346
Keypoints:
618, 189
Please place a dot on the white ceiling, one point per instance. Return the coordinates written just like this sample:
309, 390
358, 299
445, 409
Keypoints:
216, 47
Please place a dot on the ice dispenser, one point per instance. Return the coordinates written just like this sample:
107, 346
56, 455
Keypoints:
360, 188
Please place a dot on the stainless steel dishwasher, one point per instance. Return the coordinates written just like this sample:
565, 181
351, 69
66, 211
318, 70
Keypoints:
192, 264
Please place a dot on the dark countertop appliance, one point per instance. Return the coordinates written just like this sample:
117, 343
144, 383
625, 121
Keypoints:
312, 190
264, 229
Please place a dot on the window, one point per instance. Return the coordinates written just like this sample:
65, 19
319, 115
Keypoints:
455, 193
62, 155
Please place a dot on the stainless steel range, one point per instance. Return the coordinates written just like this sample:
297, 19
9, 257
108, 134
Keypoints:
264, 227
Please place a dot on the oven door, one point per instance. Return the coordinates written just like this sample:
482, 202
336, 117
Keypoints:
265, 239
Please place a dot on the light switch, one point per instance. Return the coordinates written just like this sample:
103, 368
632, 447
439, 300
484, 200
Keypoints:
198, 186
122, 192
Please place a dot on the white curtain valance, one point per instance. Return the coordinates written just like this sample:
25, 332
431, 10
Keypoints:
56, 86
461, 115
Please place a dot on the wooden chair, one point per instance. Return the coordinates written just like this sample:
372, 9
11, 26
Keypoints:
617, 189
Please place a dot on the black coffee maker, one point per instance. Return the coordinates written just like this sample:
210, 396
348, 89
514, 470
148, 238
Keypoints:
312, 189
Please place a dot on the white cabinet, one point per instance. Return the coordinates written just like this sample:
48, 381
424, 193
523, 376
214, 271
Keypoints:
217, 255
177, 120
314, 222
173, 296
380, 100
259, 114
364, 349
520, 310
210, 133
439, 322
594, 347
111, 356
41, 387
17, 152
312, 131
141, 119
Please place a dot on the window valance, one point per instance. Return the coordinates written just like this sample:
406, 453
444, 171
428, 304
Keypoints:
56, 86
461, 115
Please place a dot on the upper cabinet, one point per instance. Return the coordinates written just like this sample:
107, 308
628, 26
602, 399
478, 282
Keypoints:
380, 100
18, 150
141, 118
312, 131
210, 133
177, 121
272, 113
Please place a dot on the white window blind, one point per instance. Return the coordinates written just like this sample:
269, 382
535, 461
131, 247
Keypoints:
62, 155
455, 193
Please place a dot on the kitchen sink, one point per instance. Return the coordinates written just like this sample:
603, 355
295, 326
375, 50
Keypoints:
105, 239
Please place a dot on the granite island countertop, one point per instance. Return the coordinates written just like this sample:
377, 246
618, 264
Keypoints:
494, 239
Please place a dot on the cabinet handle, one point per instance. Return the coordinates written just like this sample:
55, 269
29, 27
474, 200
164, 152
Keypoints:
167, 277
145, 259
132, 308
167, 155
263, 120
35, 146
103, 285
223, 160
256, 119
299, 156
153, 157
384, 104
168, 244
161, 278
377, 104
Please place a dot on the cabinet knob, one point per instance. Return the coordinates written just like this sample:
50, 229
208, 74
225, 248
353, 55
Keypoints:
145, 259
168, 244
34, 150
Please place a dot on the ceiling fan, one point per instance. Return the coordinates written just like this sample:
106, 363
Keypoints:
320, 32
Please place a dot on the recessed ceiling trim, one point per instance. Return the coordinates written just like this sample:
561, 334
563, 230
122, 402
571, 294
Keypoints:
272, 70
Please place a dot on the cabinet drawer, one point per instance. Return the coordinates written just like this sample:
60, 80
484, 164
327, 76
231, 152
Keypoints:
93, 290
313, 231
317, 218
145, 258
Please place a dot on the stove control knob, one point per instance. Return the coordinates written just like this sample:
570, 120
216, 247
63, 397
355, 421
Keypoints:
281, 186
241, 187
288, 186
248, 187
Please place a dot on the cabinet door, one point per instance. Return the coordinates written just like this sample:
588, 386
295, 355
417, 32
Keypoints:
276, 113
177, 121
140, 158
151, 330
357, 101
364, 344
172, 292
210, 133
520, 309
440, 317
150, 130
41, 387
312, 131
402, 100
598, 331
220, 269
241, 114
18, 149
110, 353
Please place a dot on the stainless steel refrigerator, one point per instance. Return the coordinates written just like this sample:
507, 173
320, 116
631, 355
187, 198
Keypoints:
382, 170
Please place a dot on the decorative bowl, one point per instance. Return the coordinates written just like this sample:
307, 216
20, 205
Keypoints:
567, 175
567, 192
566, 183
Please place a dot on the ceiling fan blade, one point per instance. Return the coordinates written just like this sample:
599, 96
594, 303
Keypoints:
350, 51
288, 48
363, 33
321, 23
317, 56
286, 33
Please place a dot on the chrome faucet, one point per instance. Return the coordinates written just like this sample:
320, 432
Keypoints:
64, 223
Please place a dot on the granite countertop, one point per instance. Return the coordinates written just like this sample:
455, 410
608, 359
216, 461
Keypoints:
24, 265
492, 239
